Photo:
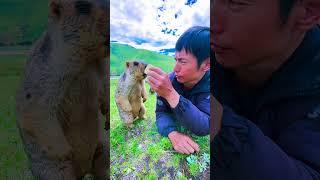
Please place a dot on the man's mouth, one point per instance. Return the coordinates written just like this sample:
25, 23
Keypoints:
217, 48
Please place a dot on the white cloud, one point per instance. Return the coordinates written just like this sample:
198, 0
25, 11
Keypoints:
138, 20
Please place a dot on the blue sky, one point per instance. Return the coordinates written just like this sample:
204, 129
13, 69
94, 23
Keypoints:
155, 24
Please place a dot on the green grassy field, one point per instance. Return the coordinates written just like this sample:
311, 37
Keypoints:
13, 161
141, 152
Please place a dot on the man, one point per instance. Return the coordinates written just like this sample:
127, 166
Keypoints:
184, 95
266, 89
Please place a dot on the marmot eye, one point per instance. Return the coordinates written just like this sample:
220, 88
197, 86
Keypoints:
135, 63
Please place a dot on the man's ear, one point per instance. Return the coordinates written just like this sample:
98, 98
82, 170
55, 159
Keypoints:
309, 14
205, 66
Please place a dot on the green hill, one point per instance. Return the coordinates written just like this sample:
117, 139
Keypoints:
120, 53
22, 22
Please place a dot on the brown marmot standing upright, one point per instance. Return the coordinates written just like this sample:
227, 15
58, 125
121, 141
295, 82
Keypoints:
63, 94
131, 93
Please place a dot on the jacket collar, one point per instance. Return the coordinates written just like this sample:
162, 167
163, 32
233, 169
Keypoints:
300, 75
203, 86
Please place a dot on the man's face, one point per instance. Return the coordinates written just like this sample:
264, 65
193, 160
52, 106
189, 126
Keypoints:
246, 32
186, 68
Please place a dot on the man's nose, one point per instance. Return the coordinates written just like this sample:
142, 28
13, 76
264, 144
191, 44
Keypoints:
176, 68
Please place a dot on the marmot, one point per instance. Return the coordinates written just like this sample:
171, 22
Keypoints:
131, 93
62, 94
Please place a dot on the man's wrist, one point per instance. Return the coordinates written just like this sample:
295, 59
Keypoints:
172, 133
173, 99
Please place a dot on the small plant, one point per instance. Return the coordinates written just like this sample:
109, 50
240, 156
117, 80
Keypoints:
88, 177
129, 170
176, 160
204, 162
165, 144
151, 176
155, 151
114, 170
194, 169
181, 176
192, 161
198, 164
134, 147
117, 136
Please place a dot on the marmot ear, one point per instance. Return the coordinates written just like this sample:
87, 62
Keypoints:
54, 9
127, 64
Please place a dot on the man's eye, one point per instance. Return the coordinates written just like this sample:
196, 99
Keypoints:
236, 4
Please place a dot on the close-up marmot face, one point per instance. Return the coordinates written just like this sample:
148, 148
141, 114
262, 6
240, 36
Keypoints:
79, 22
136, 69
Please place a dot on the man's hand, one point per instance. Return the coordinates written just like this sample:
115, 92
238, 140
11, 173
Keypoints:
183, 143
160, 83
216, 116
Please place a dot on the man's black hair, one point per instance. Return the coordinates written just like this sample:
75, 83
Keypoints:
285, 9
196, 40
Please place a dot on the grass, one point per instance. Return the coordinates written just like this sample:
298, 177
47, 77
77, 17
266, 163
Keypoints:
13, 161
142, 152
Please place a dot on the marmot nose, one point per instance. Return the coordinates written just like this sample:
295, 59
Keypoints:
83, 7
144, 64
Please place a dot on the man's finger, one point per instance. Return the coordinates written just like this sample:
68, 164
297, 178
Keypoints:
178, 149
181, 149
184, 150
189, 147
153, 82
154, 74
194, 145
156, 70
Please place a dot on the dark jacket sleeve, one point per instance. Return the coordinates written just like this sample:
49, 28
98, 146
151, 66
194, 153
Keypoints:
164, 117
241, 151
195, 117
